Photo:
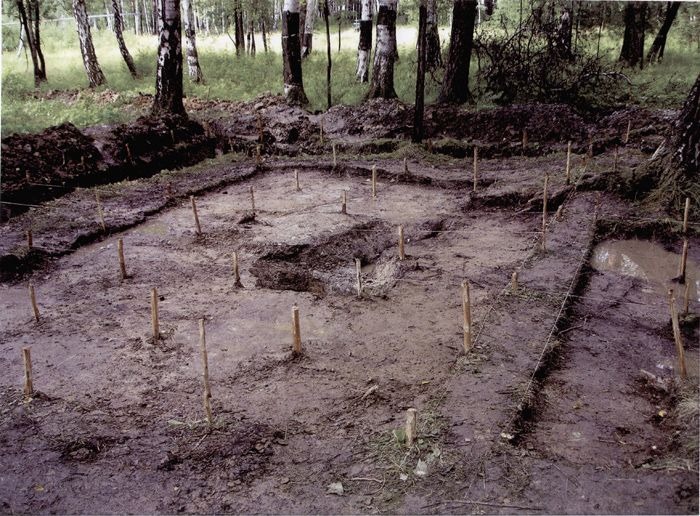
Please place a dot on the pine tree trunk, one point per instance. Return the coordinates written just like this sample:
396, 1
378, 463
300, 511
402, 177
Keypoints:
311, 8
193, 67
656, 52
117, 27
168, 98
365, 47
264, 34
291, 54
251, 31
632, 52
92, 67
382, 85
434, 54
455, 85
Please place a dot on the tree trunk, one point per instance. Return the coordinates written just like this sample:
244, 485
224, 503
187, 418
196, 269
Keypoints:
264, 34
326, 19
195, 71
632, 52
455, 85
154, 16
168, 98
688, 128
434, 54
291, 54
564, 33
365, 47
251, 32
382, 85
92, 67
117, 27
39, 75
420, 75
238, 18
311, 8
656, 52
34, 5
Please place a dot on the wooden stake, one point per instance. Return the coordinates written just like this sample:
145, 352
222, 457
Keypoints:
172, 135
28, 382
544, 213
30, 239
258, 157
154, 315
252, 200
296, 180
128, 153
402, 254
196, 217
411, 426
32, 298
100, 213
296, 331
261, 136
627, 134
476, 157
677, 335
405, 166
686, 212
568, 163
236, 274
358, 276
344, 203
335, 161
205, 372
320, 130
26, 175
120, 252
557, 215
524, 138
514, 282
467, 316
686, 298
374, 181
684, 260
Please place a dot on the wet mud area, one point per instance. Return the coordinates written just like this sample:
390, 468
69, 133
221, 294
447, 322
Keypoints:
567, 402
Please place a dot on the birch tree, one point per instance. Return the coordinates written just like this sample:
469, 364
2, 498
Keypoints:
365, 46
87, 50
168, 98
195, 71
433, 52
311, 10
382, 85
33, 44
117, 27
291, 54
455, 85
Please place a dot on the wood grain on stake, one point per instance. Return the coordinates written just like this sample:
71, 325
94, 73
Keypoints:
296, 331
684, 260
205, 368
296, 180
514, 282
627, 134
196, 216
411, 425
30, 239
100, 212
32, 298
544, 213
358, 276
402, 254
568, 163
686, 212
344, 202
252, 200
467, 316
405, 166
476, 157
155, 326
28, 381
677, 335
120, 252
374, 181
236, 274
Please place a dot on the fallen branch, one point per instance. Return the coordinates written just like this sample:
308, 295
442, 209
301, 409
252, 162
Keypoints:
488, 504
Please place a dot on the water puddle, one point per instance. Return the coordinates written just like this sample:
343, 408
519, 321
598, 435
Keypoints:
649, 262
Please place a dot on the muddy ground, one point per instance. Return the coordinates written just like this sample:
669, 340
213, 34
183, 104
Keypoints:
548, 413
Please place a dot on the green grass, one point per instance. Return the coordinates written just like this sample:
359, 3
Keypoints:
66, 97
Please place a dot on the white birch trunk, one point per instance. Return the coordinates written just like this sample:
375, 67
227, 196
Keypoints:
311, 9
365, 45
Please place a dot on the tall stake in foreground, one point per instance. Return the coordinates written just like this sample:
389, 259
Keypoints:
677, 335
402, 254
544, 213
476, 165
467, 316
122, 262
568, 163
196, 217
155, 325
296, 331
28, 381
205, 373
411, 426
32, 299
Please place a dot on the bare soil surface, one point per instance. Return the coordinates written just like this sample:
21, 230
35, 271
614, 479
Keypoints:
547, 413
